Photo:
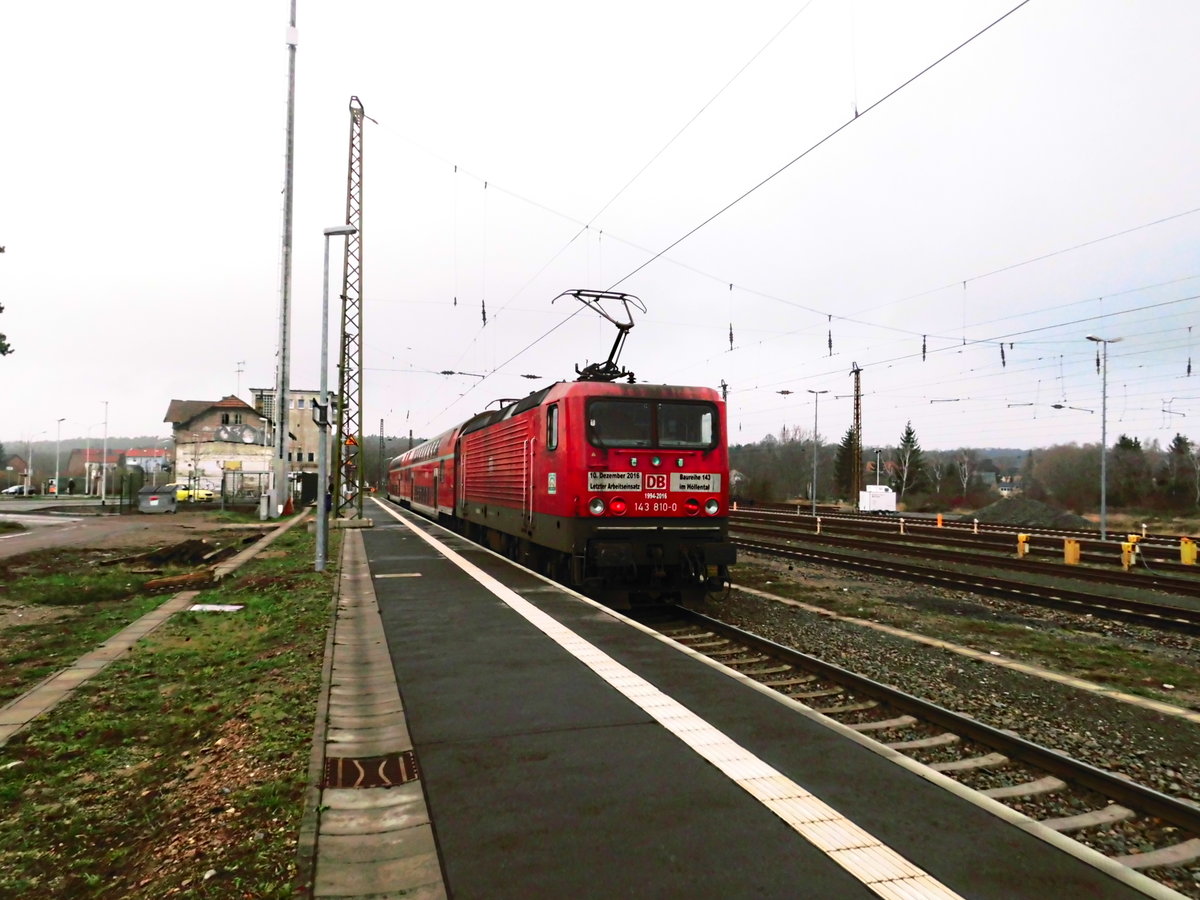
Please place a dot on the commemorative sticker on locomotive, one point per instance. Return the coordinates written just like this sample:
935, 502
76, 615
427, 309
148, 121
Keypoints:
696, 482
614, 481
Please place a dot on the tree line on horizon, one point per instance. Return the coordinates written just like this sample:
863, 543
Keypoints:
779, 468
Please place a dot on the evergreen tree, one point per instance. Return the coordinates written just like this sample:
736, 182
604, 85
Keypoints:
843, 465
910, 464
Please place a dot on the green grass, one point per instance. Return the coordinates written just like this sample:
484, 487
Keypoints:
187, 757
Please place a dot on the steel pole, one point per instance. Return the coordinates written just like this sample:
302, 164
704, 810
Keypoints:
104, 460
816, 445
1104, 442
323, 425
57, 453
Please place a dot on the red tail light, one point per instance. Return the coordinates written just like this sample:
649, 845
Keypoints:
692, 506
617, 506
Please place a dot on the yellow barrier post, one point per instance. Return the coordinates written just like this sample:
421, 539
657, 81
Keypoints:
1187, 551
939, 520
902, 526
1128, 552
1071, 552
1022, 545
818, 524
977, 526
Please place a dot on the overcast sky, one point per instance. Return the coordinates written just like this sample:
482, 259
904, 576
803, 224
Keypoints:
957, 240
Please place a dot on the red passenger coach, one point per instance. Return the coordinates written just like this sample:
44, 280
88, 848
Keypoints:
620, 490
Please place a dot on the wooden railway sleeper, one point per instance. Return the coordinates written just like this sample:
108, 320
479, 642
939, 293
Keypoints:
1109, 815
938, 740
1046, 785
895, 724
987, 761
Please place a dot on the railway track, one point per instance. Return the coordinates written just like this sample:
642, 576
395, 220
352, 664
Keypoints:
1064, 794
1140, 579
848, 553
1161, 551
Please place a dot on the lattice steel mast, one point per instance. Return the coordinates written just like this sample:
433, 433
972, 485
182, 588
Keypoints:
348, 470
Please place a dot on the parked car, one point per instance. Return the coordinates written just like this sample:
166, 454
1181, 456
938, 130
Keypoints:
183, 492
18, 490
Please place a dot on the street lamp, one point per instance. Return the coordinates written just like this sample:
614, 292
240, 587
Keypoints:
57, 452
323, 417
816, 406
1103, 433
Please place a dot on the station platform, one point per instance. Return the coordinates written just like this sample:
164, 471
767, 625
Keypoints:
492, 735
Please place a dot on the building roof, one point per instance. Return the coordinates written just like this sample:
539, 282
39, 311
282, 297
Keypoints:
181, 411
147, 452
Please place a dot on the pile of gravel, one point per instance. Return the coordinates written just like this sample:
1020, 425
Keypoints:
1030, 514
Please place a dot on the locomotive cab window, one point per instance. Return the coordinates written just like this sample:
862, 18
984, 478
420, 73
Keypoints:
637, 423
686, 425
620, 423
552, 427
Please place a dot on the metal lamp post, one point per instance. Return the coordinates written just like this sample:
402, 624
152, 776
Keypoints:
1104, 342
816, 406
323, 419
57, 452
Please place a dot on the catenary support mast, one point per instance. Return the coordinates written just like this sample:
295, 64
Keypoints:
348, 469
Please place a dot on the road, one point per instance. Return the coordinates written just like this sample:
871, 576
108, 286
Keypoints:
48, 531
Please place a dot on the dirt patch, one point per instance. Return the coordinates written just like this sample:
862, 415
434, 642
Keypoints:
1030, 514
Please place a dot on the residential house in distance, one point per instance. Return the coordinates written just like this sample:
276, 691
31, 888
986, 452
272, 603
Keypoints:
15, 468
86, 467
220, 443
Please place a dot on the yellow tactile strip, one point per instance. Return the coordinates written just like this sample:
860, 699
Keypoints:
878, 867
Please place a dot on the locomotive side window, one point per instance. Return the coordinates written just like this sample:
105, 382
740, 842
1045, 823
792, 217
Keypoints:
686, 425
620, 423
552, 427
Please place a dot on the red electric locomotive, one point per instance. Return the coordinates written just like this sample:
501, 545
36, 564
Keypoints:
618, 490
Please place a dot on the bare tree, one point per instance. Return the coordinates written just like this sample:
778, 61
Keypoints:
966, 464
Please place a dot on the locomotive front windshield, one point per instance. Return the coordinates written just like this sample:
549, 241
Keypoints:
640, 423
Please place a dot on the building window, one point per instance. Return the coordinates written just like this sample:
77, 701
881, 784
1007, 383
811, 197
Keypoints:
310, 457
237, 418
289, 456
299, 403
224, 418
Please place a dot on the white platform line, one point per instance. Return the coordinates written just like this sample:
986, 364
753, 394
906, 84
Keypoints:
877, 866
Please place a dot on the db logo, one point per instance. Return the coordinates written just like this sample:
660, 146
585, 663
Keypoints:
656, 482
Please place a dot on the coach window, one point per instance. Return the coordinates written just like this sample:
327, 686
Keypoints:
552, 427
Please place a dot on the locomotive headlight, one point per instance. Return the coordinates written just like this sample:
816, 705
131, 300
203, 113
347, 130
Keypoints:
617, 506
655, 461
711, 506
596, 506
692, 506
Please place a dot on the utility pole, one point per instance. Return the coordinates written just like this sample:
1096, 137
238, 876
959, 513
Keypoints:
816, 444
277, 497
856, 480
348, 456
